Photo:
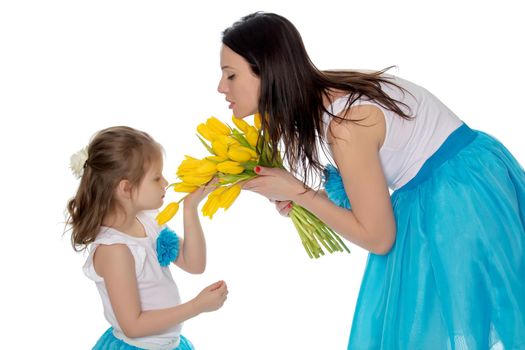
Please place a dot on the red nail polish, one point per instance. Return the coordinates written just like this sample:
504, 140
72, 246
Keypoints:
257, 169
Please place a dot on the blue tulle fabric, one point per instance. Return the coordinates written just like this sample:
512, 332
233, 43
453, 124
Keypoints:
109, 342
167, 246
455, 277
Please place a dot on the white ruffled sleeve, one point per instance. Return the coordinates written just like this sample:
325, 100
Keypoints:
138, 252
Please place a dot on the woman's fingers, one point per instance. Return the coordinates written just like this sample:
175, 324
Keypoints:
283, 207
250, 185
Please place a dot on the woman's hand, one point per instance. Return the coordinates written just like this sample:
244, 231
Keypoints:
283, 207
275, 184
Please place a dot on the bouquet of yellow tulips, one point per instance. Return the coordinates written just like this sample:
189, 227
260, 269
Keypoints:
233, 156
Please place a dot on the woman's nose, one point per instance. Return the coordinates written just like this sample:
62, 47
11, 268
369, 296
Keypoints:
221, 88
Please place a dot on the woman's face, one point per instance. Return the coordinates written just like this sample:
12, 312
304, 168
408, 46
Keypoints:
238, 83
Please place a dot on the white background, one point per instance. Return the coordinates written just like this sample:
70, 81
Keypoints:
70, 68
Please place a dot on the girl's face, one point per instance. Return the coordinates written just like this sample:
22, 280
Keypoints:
238, 83
150, 193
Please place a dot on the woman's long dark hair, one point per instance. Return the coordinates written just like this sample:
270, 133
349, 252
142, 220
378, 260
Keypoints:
292, 88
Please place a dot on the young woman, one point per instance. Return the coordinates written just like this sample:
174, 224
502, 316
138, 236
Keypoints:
446, 268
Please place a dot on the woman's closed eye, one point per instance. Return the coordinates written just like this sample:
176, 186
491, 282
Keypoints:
230, 77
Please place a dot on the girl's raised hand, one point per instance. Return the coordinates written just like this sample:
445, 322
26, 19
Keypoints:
275, 184
195, 197
212, 297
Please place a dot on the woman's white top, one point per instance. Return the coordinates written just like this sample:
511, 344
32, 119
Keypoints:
157, 289
407, 143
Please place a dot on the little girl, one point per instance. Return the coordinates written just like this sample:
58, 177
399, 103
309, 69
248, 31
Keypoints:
120, 181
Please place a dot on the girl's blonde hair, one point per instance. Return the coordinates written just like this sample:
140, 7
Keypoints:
114, 154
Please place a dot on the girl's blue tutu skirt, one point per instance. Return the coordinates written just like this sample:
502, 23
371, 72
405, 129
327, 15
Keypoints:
455, 277
109, 342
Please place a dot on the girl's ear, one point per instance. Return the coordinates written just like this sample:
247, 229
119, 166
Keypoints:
124, 189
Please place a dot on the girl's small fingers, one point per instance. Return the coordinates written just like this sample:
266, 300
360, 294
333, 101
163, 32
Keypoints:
213, 181
211, 184
217, 285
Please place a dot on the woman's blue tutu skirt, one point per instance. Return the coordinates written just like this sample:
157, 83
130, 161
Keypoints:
455, 277
109, 342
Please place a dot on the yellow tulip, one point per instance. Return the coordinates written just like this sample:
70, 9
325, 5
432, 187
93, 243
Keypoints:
228, 140
206, 167
239, 155
227, 198
212, 204
167, 213
210, 207
230, 167
257, 121
220, 148
249, 150
218, 127
195, 180
184, 187
216, 159
206, 132
252, 136
217, 192
241, 124
197, 167
188, 164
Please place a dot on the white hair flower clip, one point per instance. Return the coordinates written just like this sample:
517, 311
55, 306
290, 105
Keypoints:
78, 161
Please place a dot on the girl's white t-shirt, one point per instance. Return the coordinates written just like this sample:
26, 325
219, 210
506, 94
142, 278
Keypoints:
408, 143
156, 286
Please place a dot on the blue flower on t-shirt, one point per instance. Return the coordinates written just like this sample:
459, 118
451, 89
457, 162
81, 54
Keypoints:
167, 246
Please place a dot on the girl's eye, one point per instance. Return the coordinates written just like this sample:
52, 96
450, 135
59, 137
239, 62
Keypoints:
230, 77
